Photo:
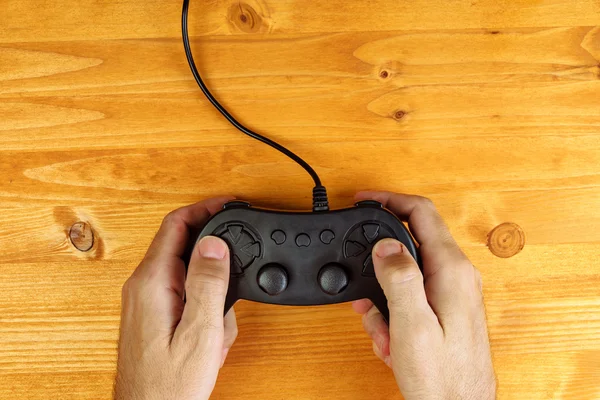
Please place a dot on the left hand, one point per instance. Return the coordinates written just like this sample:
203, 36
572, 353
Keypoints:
169, 348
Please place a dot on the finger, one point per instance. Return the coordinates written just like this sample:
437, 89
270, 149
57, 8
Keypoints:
377, 329
375, 326
172, 237
402, 283
200, 333
150, 309
379, 354
205, 290
362, 306
231, 329
437, 245
163, 261
449, 275
231, 332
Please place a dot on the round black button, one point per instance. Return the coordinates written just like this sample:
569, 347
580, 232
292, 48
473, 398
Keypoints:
278, 237
303, 240
272, 279
333, 279
327, 236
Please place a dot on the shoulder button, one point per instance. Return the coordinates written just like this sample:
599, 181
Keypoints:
236, 204
369, 203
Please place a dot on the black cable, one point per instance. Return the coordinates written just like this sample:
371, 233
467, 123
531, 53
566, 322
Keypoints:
320, 202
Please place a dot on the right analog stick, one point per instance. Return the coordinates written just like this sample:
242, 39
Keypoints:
333, 279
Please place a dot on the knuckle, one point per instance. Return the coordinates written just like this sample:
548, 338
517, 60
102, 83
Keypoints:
420, 335
447, 240
465, 266
426, 202
467, 273
137, 287
368, 323
377, 351
400, 280
234, 331
125, 288
207, 281
365, 323
402, 272
170, 217
130, 286
231, 328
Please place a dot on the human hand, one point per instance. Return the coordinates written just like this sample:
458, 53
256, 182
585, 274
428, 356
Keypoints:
437, 342
170, 348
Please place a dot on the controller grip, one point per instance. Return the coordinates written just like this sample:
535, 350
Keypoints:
379, 300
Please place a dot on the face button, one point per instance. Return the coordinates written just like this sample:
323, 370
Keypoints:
303, 240
278, 237
370, 231
327, 236
236, 265
235, 232
252, 249
353, 249
368, 268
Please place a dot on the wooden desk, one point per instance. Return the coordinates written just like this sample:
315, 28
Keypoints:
491, 108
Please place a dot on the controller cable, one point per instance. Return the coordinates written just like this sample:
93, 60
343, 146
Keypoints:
320, 201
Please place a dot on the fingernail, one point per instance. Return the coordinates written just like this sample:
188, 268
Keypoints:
224, 356
388, 247
212, 247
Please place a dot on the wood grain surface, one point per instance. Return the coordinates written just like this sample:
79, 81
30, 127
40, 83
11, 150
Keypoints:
489, 107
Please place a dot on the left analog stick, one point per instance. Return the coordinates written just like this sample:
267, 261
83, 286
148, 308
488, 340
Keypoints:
272, 279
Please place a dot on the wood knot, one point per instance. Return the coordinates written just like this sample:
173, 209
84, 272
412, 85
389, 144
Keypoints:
246, 19
82, 236
398, 115
506, 240
387, 71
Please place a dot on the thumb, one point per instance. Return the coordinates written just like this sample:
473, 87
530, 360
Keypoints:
206, 286
401, 281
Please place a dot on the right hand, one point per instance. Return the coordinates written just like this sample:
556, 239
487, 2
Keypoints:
437, 342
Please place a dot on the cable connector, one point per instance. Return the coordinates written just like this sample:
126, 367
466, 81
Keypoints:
320, 201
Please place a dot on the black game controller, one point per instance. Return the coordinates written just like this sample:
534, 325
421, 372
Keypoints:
299, 258
304, 258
